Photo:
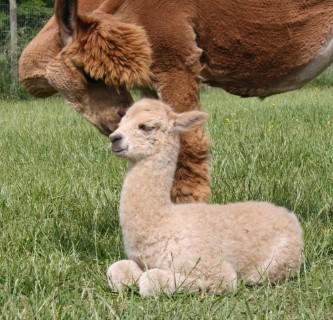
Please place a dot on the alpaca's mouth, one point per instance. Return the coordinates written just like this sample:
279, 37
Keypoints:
118, 151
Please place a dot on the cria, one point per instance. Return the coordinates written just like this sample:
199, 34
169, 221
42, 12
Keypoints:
174, 247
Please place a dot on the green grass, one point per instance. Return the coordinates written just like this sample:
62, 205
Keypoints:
59, 191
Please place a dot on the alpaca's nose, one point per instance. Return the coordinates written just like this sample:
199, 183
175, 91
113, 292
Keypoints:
115, 137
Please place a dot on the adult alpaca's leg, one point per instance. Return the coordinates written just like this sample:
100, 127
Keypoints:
180, 89
123, 273
192, 178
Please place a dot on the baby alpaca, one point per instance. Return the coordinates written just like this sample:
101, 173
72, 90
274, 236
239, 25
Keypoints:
190, 246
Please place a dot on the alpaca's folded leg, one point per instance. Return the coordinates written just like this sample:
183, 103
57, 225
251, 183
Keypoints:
225, 280
123, 273
157, 281
217, 279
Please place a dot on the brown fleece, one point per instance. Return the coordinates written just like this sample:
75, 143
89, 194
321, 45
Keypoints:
115, 52
247, 47
41, 51
254, 44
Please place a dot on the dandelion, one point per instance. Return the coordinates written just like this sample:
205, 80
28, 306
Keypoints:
228, 121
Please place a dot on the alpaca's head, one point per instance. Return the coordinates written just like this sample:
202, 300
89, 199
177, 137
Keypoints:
150, 126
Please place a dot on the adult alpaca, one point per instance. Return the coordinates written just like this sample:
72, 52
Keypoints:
190, 246
93, 51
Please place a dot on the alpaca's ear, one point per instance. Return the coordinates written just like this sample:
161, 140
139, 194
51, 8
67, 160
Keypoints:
115, 52
66, 16
187, 121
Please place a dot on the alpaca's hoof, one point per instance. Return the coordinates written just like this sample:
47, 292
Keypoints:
123, 273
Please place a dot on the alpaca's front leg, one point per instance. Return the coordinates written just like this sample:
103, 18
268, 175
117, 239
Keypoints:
156, 281
180, 89
123, 273
192, 179
217, 280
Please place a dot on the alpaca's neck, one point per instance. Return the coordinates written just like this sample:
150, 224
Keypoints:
145, 199
145, 202
147, 186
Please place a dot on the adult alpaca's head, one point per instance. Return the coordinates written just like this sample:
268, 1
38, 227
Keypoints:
101, 59
150, 127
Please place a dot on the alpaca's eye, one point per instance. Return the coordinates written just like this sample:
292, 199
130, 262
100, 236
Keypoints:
121, 113
87, 77
146, 128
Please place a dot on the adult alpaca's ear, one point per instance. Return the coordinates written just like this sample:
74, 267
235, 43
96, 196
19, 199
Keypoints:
190, 120
117, 53
66, 16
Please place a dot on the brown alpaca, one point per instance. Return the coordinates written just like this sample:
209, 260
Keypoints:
190, 246
247, 47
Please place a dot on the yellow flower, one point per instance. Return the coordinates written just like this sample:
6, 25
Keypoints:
228, 121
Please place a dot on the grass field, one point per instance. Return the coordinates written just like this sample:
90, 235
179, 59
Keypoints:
59, 192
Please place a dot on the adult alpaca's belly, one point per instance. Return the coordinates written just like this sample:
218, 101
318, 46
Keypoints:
255, 82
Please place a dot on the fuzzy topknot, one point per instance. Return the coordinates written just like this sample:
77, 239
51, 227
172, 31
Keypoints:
115, 52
